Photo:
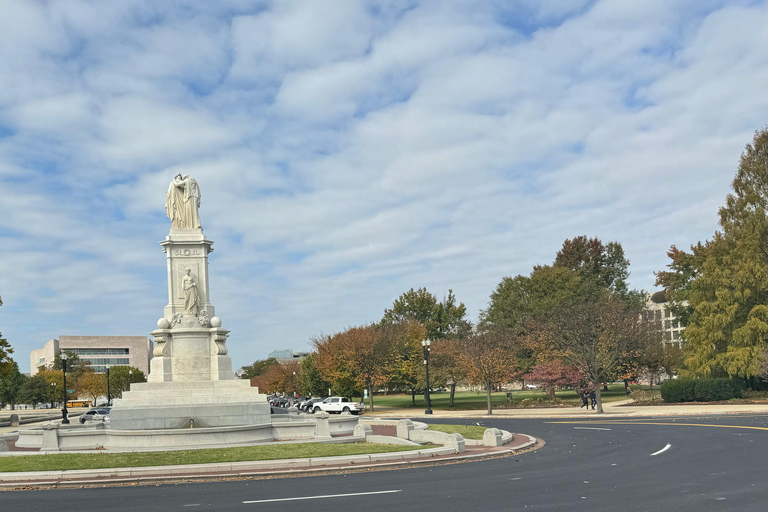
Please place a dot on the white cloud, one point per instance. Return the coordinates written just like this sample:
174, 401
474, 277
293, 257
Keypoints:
347, 152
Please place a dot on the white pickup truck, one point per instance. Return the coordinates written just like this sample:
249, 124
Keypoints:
338, 404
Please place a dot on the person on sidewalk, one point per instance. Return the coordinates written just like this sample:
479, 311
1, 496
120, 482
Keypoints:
593, 398
584, 398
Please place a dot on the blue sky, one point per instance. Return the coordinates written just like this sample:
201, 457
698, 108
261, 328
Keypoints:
347, 151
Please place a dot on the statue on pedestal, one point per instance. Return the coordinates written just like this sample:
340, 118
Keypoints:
182, 201
190, 293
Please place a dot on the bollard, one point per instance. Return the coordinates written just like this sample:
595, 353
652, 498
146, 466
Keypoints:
14, 420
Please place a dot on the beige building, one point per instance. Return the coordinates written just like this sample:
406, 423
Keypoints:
102, 352
657, 311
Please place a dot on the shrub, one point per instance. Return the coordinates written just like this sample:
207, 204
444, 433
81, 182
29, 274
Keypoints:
701, 390
751, 394
713, 390
678, 390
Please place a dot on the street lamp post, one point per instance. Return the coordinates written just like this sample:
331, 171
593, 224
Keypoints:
109, 397
64, 411
53, 394
425, 344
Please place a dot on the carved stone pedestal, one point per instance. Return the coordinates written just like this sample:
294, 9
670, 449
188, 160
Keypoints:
191, 383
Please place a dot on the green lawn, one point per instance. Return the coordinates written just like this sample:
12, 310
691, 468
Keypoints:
469, 400
467, 431
61, 461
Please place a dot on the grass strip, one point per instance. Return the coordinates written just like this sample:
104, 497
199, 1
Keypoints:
467, 431
65, 461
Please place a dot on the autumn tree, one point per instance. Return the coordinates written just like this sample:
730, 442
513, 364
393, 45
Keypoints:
361, 355
553, 375
445, 364
596, 337
92, 385
725, 280
488, 358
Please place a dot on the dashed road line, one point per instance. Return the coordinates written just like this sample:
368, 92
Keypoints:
323, 496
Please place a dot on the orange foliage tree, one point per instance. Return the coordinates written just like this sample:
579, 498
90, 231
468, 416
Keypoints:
362, 357
489, 357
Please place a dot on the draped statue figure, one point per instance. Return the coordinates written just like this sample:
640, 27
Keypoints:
190, 292
182, 201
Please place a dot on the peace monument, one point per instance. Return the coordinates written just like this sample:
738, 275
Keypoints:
191, 382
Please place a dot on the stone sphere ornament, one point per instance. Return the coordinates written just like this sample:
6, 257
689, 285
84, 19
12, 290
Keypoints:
215, 322
163, 324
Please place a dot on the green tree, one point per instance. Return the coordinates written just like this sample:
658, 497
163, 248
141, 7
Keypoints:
441, 319
75, 366
121, 378
10, 383
258, 368
604, 265
34, 390
6, 361
312, 382
725, 280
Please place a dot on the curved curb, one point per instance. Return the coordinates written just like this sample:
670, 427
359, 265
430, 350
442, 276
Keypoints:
227, 470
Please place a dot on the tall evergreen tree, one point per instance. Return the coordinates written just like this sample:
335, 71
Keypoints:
725, 279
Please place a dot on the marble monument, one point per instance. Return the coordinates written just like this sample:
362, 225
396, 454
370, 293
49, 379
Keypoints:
191, 382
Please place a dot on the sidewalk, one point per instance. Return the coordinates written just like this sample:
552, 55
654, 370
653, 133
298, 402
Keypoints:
618, 409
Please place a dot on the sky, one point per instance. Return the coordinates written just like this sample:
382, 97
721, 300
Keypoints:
347, 151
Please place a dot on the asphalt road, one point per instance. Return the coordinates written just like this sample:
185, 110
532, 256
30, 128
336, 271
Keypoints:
715, 463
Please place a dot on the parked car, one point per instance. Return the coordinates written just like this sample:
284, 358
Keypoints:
97, 414
309, 406
338, 404
531, 386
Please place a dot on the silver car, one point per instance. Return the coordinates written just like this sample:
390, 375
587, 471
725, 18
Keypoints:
98, 414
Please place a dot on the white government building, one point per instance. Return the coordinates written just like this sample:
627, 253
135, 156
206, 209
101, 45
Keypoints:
101, 351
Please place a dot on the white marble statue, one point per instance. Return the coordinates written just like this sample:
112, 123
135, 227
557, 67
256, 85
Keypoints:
182, 201
190, 293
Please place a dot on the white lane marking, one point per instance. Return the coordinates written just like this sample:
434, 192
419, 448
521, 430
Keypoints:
721, 473
192, 505
324, 496
662, 450
518, 478
590, 428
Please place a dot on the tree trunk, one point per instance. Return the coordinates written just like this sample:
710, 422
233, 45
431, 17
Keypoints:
599, 399
488, 391
605, 387
453, 393
551, 393
413, 396
370, 395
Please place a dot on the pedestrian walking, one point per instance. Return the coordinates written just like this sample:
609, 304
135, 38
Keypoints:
584, 398
593, 398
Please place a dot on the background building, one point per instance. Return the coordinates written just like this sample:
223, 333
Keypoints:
657, 312
287, 355
101, 351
